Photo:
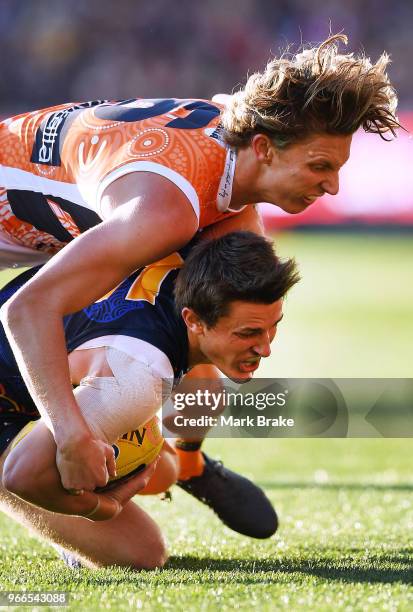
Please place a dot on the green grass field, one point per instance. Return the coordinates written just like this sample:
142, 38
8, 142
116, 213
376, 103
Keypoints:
345, 506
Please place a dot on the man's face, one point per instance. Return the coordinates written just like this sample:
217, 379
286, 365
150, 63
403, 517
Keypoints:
239, 340
296, 176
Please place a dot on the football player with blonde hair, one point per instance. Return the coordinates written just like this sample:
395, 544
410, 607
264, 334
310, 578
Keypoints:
123, 184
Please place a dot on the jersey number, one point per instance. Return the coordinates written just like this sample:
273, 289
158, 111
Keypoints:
201, 112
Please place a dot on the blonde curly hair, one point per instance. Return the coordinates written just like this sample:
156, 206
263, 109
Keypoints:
317, 90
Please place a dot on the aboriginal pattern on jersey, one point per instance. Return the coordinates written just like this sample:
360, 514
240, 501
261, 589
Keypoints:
142, 286
113, 307
25, 233
41, 223
64, 218
69, 152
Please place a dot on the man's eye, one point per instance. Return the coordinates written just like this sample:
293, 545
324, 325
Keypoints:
245, 334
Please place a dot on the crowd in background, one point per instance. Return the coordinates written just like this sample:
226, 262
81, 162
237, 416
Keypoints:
70, 50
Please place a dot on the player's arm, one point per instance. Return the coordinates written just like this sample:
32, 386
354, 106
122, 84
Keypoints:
30, 472
155, 221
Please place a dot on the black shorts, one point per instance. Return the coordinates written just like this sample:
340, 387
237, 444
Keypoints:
16, 409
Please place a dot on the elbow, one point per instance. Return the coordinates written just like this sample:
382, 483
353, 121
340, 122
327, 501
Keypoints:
18, 309
5, 314
11, 312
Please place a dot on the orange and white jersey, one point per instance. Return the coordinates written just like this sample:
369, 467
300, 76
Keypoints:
56, 163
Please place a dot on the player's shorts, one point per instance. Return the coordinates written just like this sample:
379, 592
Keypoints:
16, 409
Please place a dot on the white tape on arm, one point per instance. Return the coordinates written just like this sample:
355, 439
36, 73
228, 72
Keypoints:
113, 405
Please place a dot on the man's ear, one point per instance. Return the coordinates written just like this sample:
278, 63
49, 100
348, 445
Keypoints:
192, 321
263, 148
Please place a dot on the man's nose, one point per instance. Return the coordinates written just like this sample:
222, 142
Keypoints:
263, 348
331, 185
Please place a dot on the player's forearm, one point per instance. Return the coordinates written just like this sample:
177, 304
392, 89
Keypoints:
46, 491
37, 340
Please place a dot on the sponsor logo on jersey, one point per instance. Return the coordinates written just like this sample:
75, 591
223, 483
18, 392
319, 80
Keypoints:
46, 149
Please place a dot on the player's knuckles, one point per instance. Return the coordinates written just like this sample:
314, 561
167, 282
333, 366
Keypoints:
72, 486
101, 479
104, 447
110, 458
69, 481
77, 482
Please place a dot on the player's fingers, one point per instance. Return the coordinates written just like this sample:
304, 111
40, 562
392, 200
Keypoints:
111, 462
75, 491
103, 478
124, 491
148, 472
74, 485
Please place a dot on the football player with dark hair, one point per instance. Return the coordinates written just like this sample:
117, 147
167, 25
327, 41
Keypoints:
126, 183
228, 302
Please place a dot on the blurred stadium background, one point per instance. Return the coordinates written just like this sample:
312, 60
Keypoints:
351, 316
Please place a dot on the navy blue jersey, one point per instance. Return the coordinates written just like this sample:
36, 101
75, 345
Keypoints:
142, 307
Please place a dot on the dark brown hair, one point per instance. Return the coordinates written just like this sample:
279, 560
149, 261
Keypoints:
237, 266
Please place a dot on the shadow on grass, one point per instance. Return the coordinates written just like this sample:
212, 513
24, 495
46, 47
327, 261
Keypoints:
189, 570
268, 571
334, 486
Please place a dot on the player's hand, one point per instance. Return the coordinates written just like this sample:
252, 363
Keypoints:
126, 489
85, 464
111, 503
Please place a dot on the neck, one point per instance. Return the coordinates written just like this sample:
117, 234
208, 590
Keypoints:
195, 355
242, 193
